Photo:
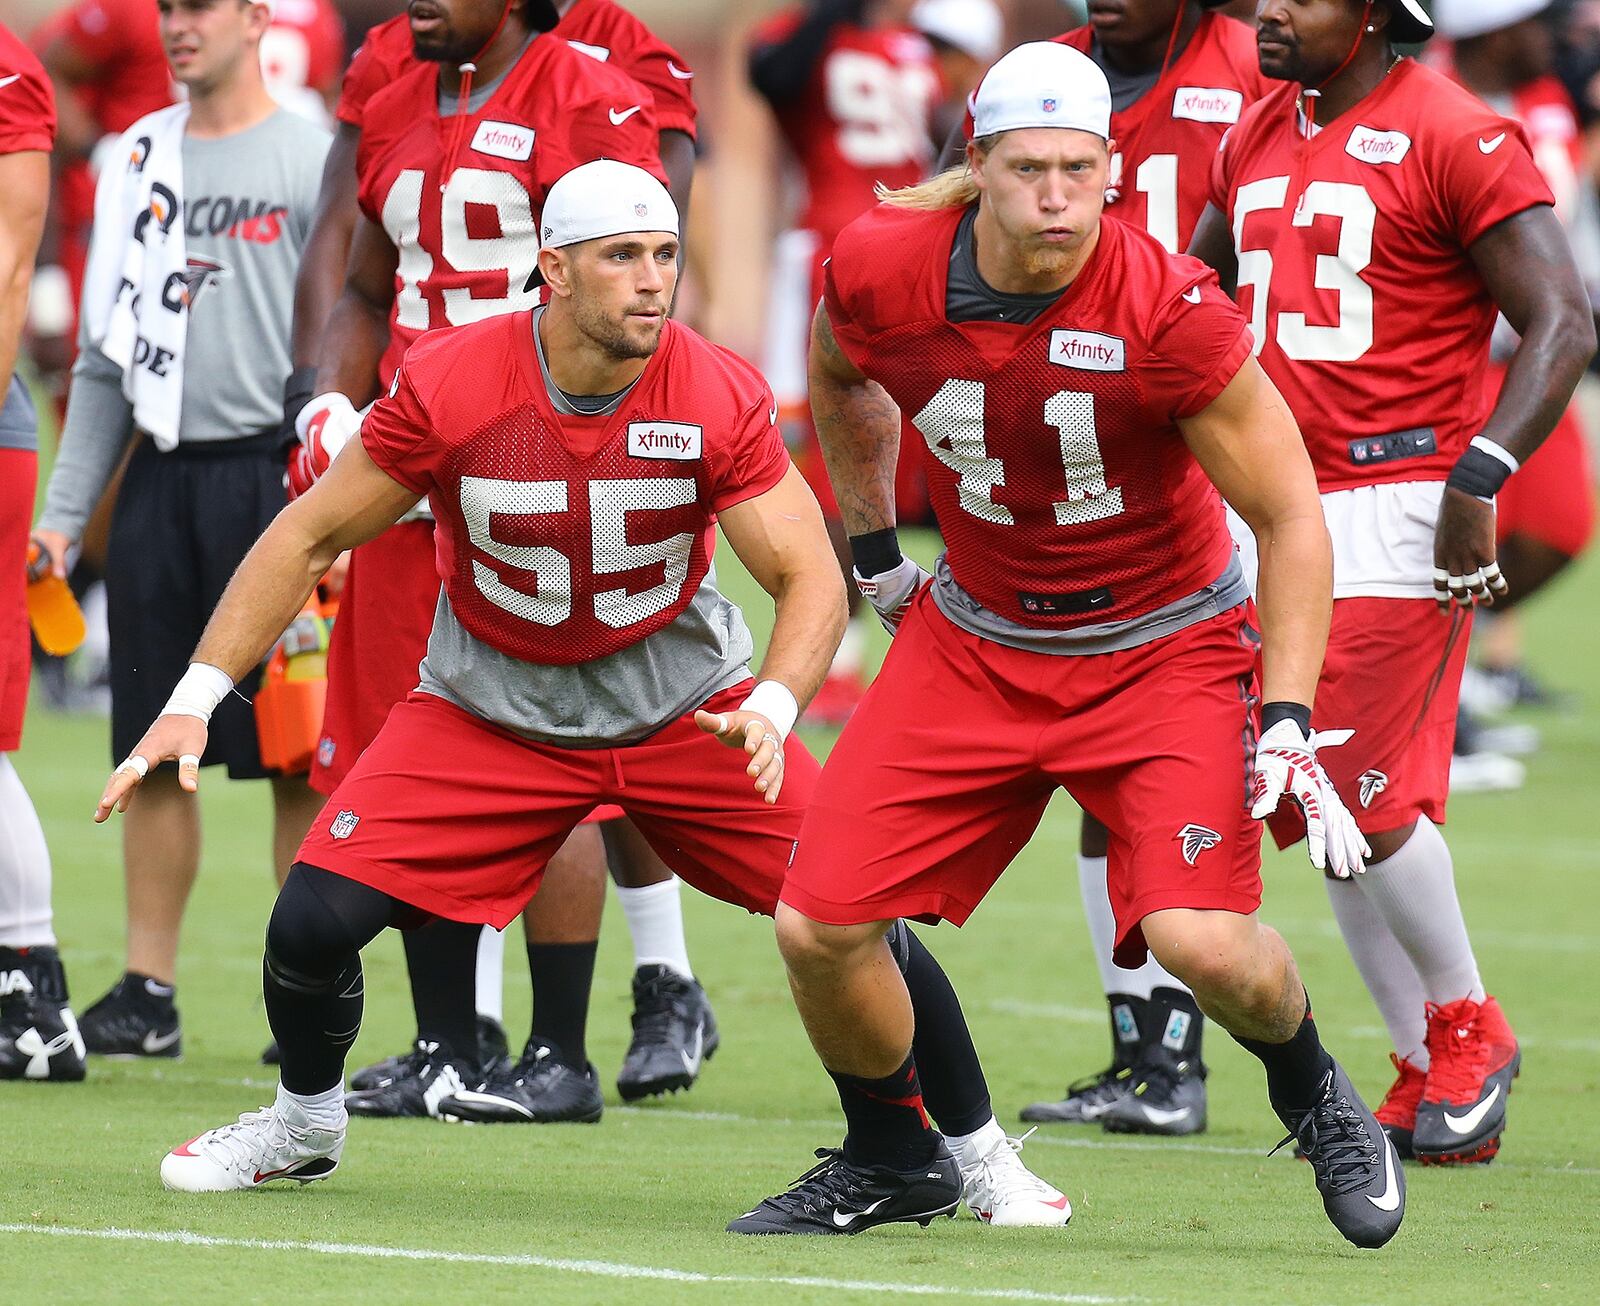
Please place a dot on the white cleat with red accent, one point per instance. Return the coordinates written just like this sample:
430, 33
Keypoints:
276, 1142
999, 1189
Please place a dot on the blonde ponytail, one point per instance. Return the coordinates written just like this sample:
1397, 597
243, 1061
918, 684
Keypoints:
950, 189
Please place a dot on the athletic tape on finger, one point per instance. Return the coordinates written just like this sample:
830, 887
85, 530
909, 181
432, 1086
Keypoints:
1496, 578
189, 759
133, 762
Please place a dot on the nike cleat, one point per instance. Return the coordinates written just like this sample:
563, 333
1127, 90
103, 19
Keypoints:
1397, 1113
835, 1197
276, 1142
1358, 1174
1088, 1099
1473, 1057
135, 1018
540, 1089
39, 1037
380, 1074
1001, 1191
1167, 1097
674, 1034
430, 1074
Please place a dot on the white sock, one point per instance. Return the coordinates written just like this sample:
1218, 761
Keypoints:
1390, 977
1139, 983
323, 1110
853, 647
1415, 893
967, 1147
491, 974
655, 920
25, 917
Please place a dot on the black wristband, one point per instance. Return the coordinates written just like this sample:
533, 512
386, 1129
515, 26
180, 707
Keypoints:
1299, 713
875, 552
298, 390
1478, 473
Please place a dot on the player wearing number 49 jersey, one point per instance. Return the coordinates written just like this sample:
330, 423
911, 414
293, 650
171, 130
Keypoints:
1083, 395
1375, 228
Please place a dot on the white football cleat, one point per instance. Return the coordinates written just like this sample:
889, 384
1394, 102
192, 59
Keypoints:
276, 1142
1000, 1190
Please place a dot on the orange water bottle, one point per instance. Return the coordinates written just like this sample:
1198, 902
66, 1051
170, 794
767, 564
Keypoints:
52, 608
294, 691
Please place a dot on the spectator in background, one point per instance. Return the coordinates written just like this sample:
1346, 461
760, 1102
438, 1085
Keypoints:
966, 36
201, 215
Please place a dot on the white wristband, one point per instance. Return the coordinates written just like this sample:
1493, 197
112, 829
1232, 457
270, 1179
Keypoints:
775, 701
199, 692
1497, 452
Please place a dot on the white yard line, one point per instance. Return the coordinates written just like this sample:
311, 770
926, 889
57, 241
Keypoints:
597, 1269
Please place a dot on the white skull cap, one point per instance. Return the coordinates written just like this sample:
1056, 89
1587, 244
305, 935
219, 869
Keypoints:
604, 198
1043, 84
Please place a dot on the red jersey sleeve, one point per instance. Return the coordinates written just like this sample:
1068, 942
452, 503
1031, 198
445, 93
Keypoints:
27, 105
398, 433
611, 118
1218, 193
1198, 343
636, 50
375, 65
1482, 174
754, 458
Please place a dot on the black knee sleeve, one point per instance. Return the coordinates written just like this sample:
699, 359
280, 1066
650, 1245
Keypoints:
319, 922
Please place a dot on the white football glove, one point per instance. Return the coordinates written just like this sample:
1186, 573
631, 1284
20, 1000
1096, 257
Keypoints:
1286, 766
891, 592
325, 426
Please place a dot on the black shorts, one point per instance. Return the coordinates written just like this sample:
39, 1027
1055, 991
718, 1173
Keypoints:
183, 522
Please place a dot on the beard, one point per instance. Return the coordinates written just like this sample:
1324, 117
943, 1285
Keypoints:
615, 337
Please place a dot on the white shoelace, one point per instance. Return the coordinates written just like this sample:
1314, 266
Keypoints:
1001, 1172
237, 1146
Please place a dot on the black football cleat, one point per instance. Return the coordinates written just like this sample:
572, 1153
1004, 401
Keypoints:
135, 1018
1088, 1099
39, 1037
430, 1074
1362, 1184
1167, 1089
492, 1050
540, 1088
674, 1034
835, 1197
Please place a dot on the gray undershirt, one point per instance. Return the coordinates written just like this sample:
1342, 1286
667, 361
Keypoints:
1126, 88
614, 700
19, 423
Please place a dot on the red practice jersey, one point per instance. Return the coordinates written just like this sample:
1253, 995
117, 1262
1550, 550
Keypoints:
562, 539
1366, 308
28, 106
862, 120
1064, 490
471, 251
598, 28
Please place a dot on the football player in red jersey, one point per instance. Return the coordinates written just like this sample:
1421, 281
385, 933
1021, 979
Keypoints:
1374, 228
853, 88
39, 1036
579, 456
596, 57
1083, 396
1502, 51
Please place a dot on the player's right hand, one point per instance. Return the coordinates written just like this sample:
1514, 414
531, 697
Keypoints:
758, 737
1286, 766
176, 738
1465, 569
52, 560
325, 426
891, 592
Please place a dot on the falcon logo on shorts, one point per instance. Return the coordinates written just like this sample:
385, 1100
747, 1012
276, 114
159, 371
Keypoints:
344, 824
1196, 839
1372, 784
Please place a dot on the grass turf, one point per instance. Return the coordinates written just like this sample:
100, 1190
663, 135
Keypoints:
631, 1210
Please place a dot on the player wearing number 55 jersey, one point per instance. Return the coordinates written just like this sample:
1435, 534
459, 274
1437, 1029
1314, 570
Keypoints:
1375, 228
1083, 395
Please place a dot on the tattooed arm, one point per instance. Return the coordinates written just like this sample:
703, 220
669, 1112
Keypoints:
858, 427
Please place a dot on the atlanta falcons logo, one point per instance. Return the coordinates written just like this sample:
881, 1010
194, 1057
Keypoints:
200, 273
1196, 839
1372, 784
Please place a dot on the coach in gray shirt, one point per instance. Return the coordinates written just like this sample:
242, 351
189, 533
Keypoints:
186, 516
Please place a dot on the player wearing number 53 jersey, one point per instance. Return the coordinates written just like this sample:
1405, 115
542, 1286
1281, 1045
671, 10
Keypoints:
1083, 395
1375, 229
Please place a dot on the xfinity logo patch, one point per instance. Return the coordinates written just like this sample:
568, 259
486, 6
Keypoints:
679, 440
1207, 104
1088, 350
1375, 147
504, 140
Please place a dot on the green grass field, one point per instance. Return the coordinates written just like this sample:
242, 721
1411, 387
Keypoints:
632, 1209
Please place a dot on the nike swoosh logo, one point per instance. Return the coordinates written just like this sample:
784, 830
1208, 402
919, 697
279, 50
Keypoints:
1492, 144
691, 1063
772, 417
154, 1042
1192, 294
1156, 1116
1391, 1193
272, 1174
1473, 1118
683, 75
6, 81
844, 1219
617, 119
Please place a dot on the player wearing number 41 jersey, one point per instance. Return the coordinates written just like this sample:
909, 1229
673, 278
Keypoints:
1082, 395
1374, 228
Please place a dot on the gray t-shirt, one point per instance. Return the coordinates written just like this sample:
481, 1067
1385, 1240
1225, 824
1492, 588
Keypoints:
19, 424
619, 699
247, 208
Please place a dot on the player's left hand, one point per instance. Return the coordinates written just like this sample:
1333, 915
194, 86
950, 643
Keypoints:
174, 737
1286, 766
758, 737
1464, 567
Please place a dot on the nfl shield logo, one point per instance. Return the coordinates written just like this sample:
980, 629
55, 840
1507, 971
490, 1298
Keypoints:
325, 750
640, 210
1050, 105
344, 825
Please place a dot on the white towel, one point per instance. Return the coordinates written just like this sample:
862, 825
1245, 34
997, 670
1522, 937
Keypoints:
135, 292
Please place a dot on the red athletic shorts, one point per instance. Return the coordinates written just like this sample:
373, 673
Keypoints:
1393, 675
945, 769
379, 639
459, 817
1551, 498
19, 469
